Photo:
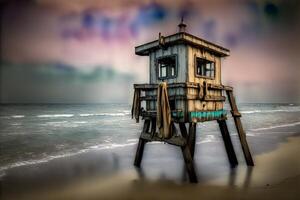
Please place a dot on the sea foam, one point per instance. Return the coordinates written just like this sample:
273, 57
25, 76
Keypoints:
269, 111
55, 115
52, 157
277, 126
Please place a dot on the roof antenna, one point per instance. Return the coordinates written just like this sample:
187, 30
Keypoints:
182, 25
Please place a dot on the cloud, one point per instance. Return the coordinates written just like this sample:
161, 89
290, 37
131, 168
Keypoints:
118, 25
262, 36
61, 83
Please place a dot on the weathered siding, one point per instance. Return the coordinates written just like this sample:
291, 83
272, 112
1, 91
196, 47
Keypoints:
196, 52
177, 50
180, 51
186, 58
196, 105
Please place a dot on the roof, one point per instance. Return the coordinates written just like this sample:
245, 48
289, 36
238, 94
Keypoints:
182, 38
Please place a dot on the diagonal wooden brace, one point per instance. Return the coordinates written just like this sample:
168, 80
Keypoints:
238, 124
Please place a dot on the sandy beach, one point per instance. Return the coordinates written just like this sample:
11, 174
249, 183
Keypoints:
276, 175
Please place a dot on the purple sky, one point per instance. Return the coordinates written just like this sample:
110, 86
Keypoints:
71, 40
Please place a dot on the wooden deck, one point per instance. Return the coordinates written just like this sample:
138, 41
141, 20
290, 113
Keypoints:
183, 113
146, 86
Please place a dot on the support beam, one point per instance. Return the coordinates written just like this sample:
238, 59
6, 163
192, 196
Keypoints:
141, 145
153, 126
139, 152
228, 144
183, 129
189, 164
174, 140
192, 138
188, 150
242, 135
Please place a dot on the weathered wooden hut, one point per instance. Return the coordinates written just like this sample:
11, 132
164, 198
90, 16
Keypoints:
191, 68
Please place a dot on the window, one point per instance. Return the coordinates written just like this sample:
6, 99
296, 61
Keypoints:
166, 67
205, 68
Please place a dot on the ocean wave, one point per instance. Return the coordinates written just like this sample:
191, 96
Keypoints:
54, 123
12, 116
62, 124
276, 126
55, 115
269, 111
207, 139
103, 114
116, 114
16, 124
110, 146
17, 116
80, 122
86, 115
132, 140
52, 157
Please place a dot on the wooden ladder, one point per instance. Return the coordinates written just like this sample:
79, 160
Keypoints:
187, 140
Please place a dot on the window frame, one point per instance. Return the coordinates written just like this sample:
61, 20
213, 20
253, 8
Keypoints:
168, 70
196, 67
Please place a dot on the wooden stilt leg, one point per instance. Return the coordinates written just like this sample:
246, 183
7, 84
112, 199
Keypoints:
141, 145
227, 142
192, 138
183, 129
139, 153
153, 126
188, 148
244, 143
189, 164
242, 135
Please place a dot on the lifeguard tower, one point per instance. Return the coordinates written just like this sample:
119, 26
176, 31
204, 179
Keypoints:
185, 88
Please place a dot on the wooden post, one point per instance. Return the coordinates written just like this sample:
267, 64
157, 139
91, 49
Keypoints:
188, 150
183, 129
242, 135
139, 152
227, 142
141, 145
192, 138
189, 164
153, 126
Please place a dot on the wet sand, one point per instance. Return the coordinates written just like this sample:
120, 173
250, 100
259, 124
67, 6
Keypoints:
275, 176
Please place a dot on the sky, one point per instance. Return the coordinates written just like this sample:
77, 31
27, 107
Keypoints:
82, 51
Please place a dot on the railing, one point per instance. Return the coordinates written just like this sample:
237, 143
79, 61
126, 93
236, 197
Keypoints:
145, 93
204, 97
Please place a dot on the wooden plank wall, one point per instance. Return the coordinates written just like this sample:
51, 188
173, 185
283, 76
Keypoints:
197, 105
186, 58
181, 52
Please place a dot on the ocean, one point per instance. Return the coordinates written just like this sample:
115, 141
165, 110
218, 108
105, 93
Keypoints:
32, 134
